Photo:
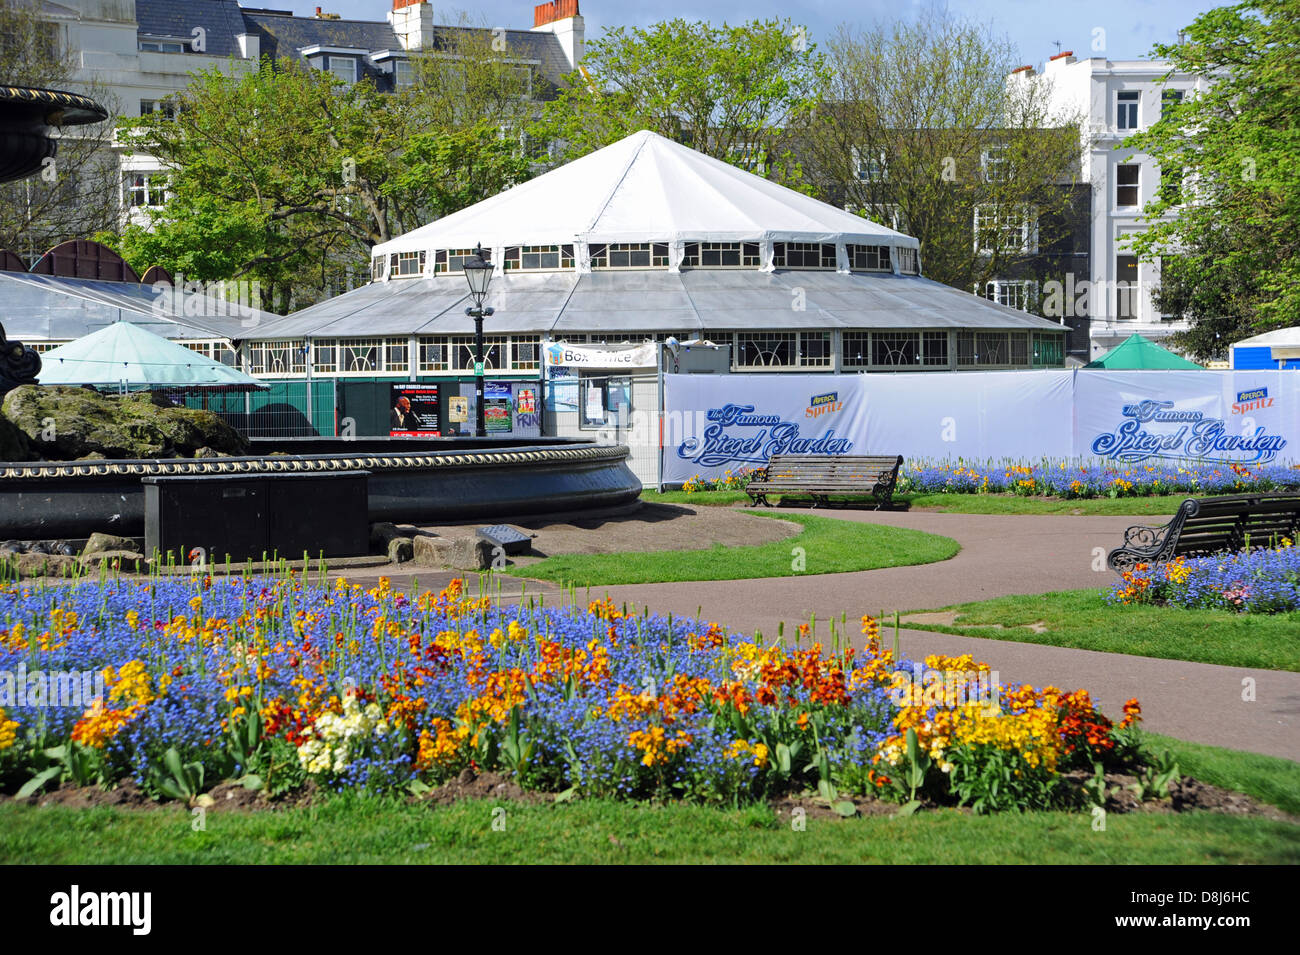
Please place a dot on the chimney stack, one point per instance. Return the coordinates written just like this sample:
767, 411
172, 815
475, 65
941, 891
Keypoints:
561, 17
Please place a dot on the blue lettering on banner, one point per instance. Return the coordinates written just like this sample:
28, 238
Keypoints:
774, 436
1196, 437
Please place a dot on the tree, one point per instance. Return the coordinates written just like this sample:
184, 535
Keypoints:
919, 128
77, 195
1224, 227
299, 175
284, 175
728, 92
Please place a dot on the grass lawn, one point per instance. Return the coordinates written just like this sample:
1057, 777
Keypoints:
1082, 619
830, 546
354, 830
968, 503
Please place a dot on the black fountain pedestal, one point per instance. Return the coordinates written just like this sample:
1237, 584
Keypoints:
27, 117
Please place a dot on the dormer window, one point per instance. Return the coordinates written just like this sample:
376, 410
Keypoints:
343, 68
403, 74
869, 258
803, 255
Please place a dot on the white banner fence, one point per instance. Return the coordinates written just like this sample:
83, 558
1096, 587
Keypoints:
712, 424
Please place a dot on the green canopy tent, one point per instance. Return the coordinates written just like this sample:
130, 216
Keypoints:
1136, 352
124, 357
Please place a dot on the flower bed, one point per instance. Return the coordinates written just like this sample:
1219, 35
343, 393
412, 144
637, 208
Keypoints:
730, 481
1264, 580
276, 681
1090, 479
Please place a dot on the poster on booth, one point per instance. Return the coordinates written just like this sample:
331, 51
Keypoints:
1133, 418
413, 411
527, 420
497, 407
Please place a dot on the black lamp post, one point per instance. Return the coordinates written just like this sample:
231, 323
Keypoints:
478, 273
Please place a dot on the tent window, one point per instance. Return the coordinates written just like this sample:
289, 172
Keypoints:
869, 258
803, 255
407, 264
494, 352
721, 255
451, 260
629, 255
538, 258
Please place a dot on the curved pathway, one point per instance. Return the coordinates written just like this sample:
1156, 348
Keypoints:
1000, 555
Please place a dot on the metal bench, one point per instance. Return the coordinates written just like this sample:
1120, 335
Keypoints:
823, 476
1210, 525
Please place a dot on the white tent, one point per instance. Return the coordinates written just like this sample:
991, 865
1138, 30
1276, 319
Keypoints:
644, 187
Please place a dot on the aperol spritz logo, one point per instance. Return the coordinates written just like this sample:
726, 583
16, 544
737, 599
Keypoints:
736, 435
1157, 429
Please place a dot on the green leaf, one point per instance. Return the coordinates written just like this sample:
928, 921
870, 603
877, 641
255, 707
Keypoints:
846, 809
37, 781
567, 795
908, 808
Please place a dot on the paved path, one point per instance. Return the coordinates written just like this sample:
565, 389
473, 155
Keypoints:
1001, 554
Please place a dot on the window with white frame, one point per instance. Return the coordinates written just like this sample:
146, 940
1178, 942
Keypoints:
909, 262
629, 255
495, 352
162, 107
1126, 109
146, 190
815, 349
992, 349
526, 353
870, 165
1016, 293
767, 349
1013, 228
1126, 286
376, 268
452, 260
433, 354
342, 67
1126, 184
285, 357
721, 255
538, 258
403, 74
153, 45
869, 258
325, 356
995, 162
360, 354
396, 352
406, 264
803, 255
894, 349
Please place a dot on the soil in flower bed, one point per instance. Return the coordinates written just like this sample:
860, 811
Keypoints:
1186, 795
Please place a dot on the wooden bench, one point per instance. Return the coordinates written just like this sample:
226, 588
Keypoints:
1209, 525
823, 476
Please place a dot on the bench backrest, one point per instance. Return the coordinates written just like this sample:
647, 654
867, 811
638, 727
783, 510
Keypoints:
824, 468
1231, 523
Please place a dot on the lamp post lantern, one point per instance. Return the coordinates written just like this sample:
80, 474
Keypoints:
478, 273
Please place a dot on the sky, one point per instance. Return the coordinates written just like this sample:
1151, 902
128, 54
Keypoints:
1126, 29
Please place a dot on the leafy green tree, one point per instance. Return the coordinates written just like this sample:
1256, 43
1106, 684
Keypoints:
728, 92
918, 128
286, 176
1224, 225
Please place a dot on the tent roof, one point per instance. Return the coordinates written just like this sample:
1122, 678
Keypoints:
1136, 352
53, 308
123, 352
556, 303
644, 188
1281, 337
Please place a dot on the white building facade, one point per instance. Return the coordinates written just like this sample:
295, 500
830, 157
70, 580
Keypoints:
1118, 98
